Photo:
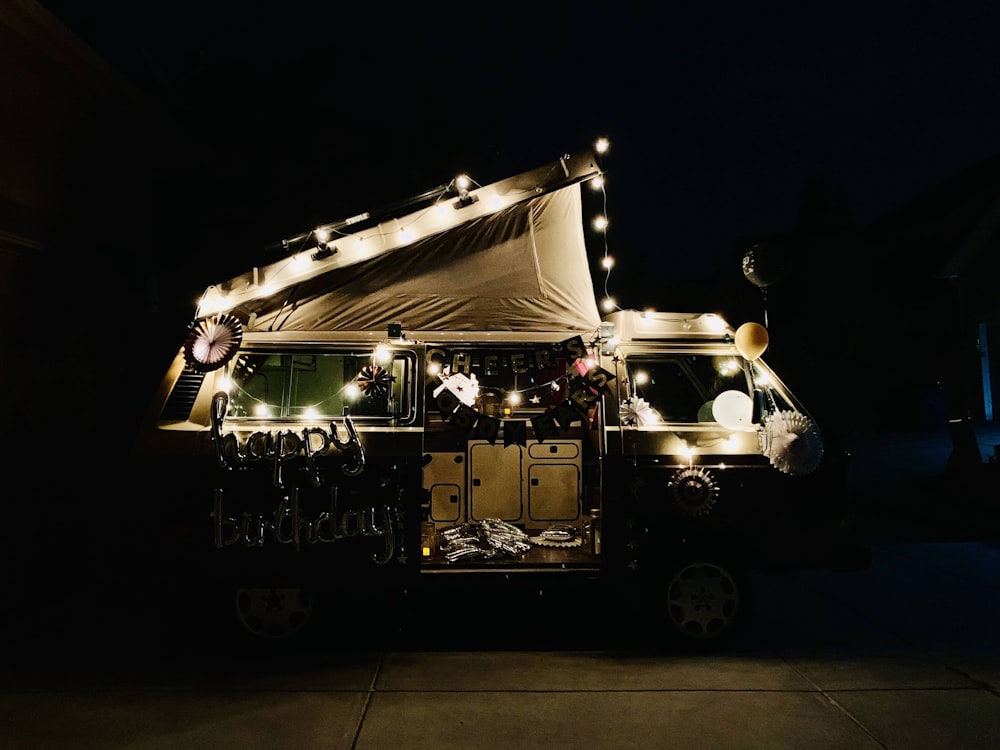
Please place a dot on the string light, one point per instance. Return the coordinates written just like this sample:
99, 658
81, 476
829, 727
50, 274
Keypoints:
600, 223
399, 230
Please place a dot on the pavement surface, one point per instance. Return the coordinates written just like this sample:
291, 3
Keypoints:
938, 485
903, 654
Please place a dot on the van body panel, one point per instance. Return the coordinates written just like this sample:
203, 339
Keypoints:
358, 460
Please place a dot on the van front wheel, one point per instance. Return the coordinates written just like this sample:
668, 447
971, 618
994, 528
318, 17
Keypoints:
703, 601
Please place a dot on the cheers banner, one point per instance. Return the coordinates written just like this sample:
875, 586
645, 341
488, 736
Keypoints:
564, 361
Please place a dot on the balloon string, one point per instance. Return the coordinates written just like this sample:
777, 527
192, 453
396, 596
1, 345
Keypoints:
763, 293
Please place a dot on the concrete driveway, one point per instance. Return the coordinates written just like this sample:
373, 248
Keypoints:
903, 655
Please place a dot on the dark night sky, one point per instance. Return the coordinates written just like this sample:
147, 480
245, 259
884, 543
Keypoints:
719, 116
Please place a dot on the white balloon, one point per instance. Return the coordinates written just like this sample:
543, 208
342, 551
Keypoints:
734, 410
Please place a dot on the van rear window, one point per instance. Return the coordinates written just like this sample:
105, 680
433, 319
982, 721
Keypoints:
308, 385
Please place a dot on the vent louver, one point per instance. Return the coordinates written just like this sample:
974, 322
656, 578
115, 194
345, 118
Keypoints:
182, 397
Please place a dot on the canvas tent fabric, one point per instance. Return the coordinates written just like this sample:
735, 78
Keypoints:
521, 268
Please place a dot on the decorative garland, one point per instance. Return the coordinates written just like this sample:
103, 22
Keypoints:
585, 387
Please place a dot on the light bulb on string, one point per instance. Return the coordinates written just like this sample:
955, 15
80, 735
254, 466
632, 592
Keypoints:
600, 224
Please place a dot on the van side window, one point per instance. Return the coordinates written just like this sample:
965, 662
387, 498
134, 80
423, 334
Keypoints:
320, 385
681, 388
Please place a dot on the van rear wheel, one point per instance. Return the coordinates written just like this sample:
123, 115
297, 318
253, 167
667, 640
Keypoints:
273, 613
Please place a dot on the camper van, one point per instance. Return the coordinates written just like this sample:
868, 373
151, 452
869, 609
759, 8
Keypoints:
430, 398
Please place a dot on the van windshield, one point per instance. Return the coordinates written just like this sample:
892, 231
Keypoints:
682, 388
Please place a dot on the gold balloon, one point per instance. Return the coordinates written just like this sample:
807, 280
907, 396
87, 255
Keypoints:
751, 340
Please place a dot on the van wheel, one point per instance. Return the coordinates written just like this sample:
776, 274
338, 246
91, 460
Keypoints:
273, 613
703, 601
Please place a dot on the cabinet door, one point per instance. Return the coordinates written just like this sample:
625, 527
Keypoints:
553, 492
495, 482
444, 478
553, 474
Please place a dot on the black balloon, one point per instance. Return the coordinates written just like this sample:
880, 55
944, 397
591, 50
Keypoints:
762, 265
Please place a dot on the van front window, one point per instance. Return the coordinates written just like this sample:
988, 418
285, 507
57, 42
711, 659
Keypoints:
681, 388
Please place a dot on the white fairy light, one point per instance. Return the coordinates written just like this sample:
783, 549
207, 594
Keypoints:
600, 224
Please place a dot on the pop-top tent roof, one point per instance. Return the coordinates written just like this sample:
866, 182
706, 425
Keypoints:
509, 256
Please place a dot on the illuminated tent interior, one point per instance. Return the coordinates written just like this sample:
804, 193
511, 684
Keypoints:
508, 256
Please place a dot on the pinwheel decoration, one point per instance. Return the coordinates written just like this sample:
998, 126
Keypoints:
794, 444
374, 381
694, 491
635, 412
212, 342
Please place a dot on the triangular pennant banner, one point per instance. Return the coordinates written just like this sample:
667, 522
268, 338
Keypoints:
515, 432
487, 428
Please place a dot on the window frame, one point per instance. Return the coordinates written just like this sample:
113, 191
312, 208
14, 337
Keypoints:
405, 387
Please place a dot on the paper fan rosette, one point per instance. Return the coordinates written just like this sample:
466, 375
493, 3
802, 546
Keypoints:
794, 445
213, 341
635, 412
374, 381
694, 491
